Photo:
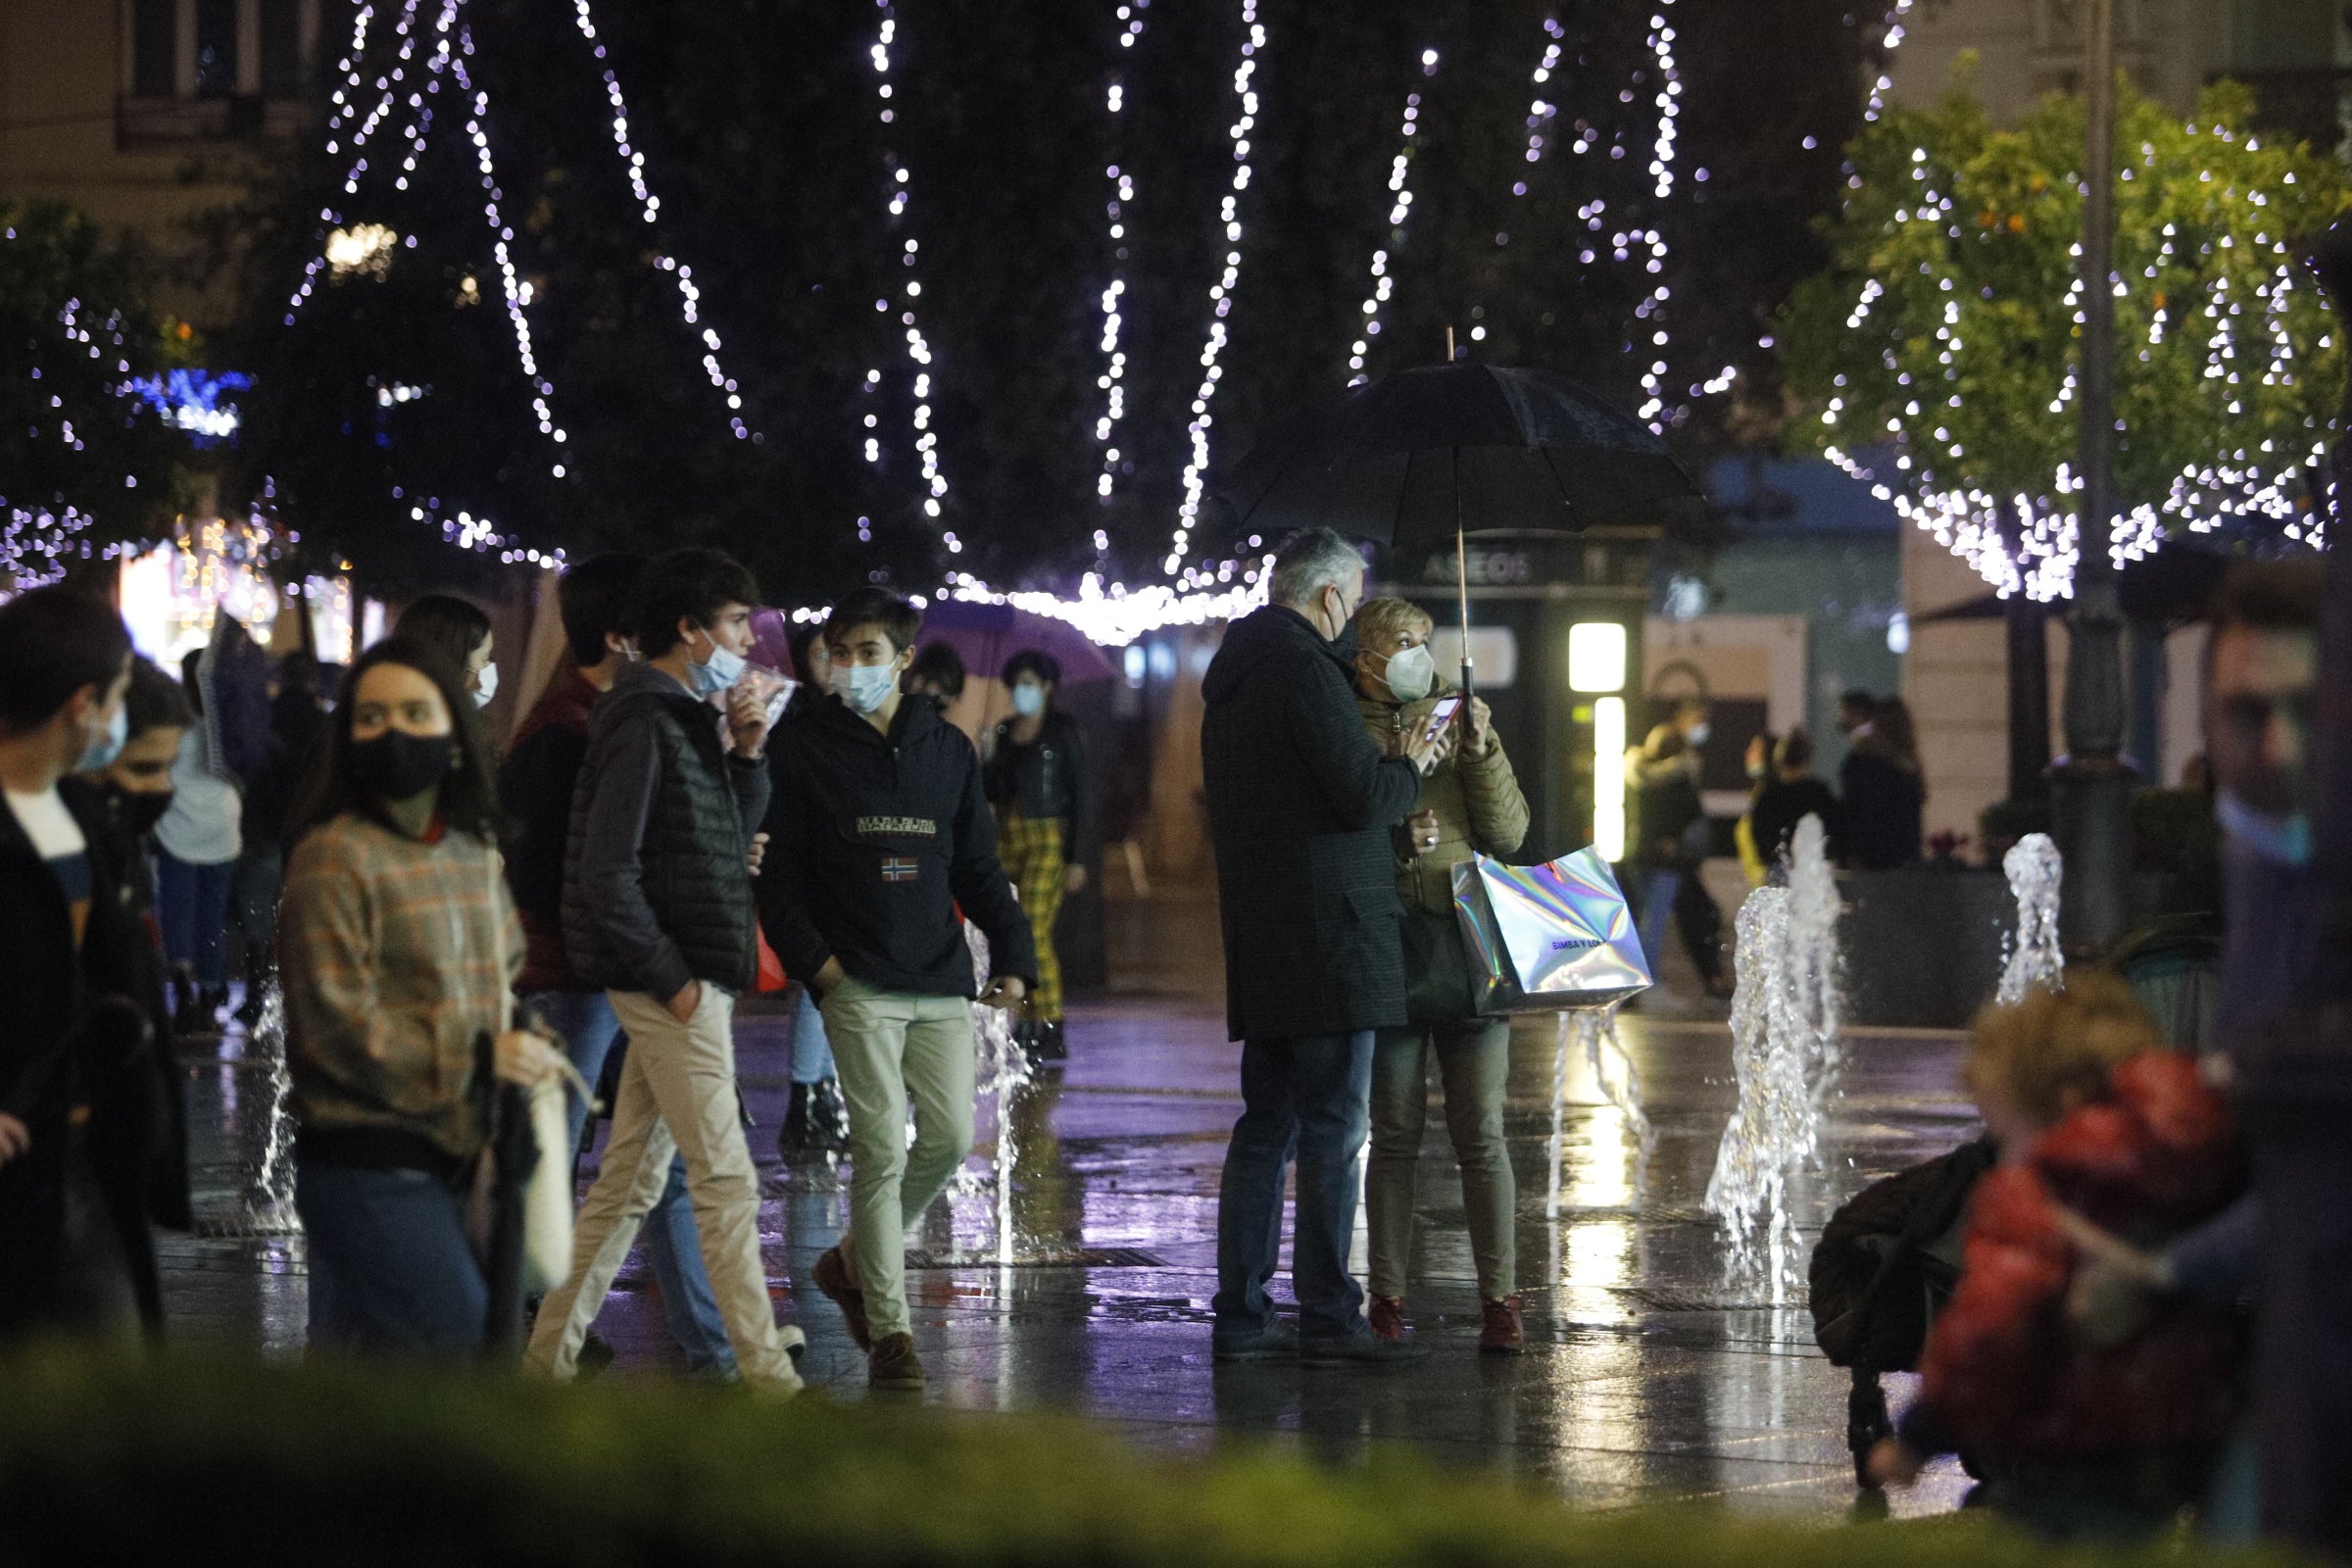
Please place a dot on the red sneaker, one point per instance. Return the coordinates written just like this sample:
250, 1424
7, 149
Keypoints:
1387, 1317
1501, 1331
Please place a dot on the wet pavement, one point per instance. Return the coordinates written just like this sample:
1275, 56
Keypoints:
1648, 1377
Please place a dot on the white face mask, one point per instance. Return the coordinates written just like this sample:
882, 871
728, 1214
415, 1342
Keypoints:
1411, 673
1699, 734
488, 687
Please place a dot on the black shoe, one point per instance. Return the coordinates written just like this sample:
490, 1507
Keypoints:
1277, 1344
1359, 1349
596, 1355
1052, 1044
1866, 1424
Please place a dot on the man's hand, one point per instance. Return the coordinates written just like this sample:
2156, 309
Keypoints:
2108, 1300
1004, 991
522, 1056
747, 719
826, 978
1482, 727
1422, 828
1073, 879
758, 852
1894, 1463
682, 1006
14, 1137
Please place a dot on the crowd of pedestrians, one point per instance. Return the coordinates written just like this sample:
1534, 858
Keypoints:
665, 826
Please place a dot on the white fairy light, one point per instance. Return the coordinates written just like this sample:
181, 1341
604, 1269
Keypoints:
1114, 381
1655, 308
1401, 207
1220, 294
501, 241
649, 206
918, 351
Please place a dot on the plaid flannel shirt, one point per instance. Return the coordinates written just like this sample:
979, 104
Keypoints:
388, 950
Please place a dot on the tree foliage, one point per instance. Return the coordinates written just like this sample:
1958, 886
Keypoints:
1947, 327
82, 458
760, 126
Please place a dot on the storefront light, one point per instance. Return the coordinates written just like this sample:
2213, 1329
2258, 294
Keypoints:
1596, 657
1608, 774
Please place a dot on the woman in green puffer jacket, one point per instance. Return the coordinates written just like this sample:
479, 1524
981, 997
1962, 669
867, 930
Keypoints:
1470, 804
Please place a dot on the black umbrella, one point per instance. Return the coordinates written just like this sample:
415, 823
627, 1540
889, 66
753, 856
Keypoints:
1453, 450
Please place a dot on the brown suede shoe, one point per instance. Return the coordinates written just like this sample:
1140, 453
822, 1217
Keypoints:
833, 1278
893, 1363
1500, 1329
1387, 1317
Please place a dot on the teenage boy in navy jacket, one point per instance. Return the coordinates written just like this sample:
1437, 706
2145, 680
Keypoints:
878, 830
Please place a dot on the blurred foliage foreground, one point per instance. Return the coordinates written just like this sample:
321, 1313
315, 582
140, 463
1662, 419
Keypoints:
201, 1460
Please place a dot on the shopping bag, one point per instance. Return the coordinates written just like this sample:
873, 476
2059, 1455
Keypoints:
1547, 937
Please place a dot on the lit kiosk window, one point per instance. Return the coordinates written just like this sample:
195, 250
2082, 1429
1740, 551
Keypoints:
1597, 665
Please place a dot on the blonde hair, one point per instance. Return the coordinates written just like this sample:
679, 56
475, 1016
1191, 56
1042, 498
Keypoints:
1382, 620
2054, 1050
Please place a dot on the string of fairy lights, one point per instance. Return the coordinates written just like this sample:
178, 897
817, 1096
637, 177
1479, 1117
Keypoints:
690, 296
1220, 296
910, 289
1401, 207
1113, 383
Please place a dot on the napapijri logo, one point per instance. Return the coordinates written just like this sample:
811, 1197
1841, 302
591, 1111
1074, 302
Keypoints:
1575, 942
904, 828
898, 868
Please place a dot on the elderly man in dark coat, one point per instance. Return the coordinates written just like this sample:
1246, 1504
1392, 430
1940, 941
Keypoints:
1301, 804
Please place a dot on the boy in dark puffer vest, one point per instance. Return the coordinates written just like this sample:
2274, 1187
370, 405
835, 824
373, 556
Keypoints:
2084, 1423
658, 910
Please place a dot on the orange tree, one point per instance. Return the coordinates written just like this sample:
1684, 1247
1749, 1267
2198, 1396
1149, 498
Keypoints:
1936, 354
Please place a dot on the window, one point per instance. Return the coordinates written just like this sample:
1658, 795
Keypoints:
154, 48
281, 48
215, 48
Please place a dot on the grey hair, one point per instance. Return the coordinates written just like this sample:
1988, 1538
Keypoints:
1310, 564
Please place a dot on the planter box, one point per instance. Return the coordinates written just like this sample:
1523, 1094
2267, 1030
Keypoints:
1923, 948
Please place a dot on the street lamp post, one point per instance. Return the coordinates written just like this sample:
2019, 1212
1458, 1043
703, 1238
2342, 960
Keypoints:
2091, 798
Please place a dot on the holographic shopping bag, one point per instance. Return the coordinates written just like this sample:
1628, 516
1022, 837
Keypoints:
1547, 937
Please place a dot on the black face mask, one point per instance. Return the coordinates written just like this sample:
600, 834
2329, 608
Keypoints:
398, 766
138, 811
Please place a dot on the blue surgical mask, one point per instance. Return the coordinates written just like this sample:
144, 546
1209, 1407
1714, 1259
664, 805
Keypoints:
722, 670
1699, 733
2279, 840
104, 749
863, 687
1028, 699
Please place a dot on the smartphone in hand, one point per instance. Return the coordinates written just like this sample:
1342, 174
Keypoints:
1442, 715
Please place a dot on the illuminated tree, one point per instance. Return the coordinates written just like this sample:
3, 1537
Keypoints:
85, 460
1936, 354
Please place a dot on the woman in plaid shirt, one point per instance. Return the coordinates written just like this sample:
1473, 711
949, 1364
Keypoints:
391, 928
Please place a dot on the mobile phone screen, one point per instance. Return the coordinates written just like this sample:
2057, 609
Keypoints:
1443, 715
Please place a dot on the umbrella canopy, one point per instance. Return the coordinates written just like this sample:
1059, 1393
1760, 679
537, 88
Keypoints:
987, 635
1476, 448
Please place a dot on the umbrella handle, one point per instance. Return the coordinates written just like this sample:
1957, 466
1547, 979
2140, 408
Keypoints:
1461, 574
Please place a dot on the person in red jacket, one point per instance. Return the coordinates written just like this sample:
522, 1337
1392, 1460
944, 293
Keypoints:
2081, 1421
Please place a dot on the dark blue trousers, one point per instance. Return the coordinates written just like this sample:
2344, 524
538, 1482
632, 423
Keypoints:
1308, 1097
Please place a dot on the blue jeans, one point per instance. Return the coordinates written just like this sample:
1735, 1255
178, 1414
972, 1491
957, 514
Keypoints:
672, 1248
391, 1271
1659, 887
1308, 1096
192, 907
811, 1047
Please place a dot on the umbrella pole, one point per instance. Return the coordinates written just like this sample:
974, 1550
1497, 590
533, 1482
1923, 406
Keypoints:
1461, 572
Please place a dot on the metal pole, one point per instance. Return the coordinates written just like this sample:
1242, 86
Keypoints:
2092, 800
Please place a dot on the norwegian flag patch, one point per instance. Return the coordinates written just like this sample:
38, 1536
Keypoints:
899, 868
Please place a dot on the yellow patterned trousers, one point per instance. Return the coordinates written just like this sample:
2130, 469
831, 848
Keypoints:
1031, 855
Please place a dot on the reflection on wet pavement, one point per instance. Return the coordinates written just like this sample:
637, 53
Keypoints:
1646, 1378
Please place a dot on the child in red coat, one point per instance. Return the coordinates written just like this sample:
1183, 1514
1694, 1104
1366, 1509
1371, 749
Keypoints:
2081, 1420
